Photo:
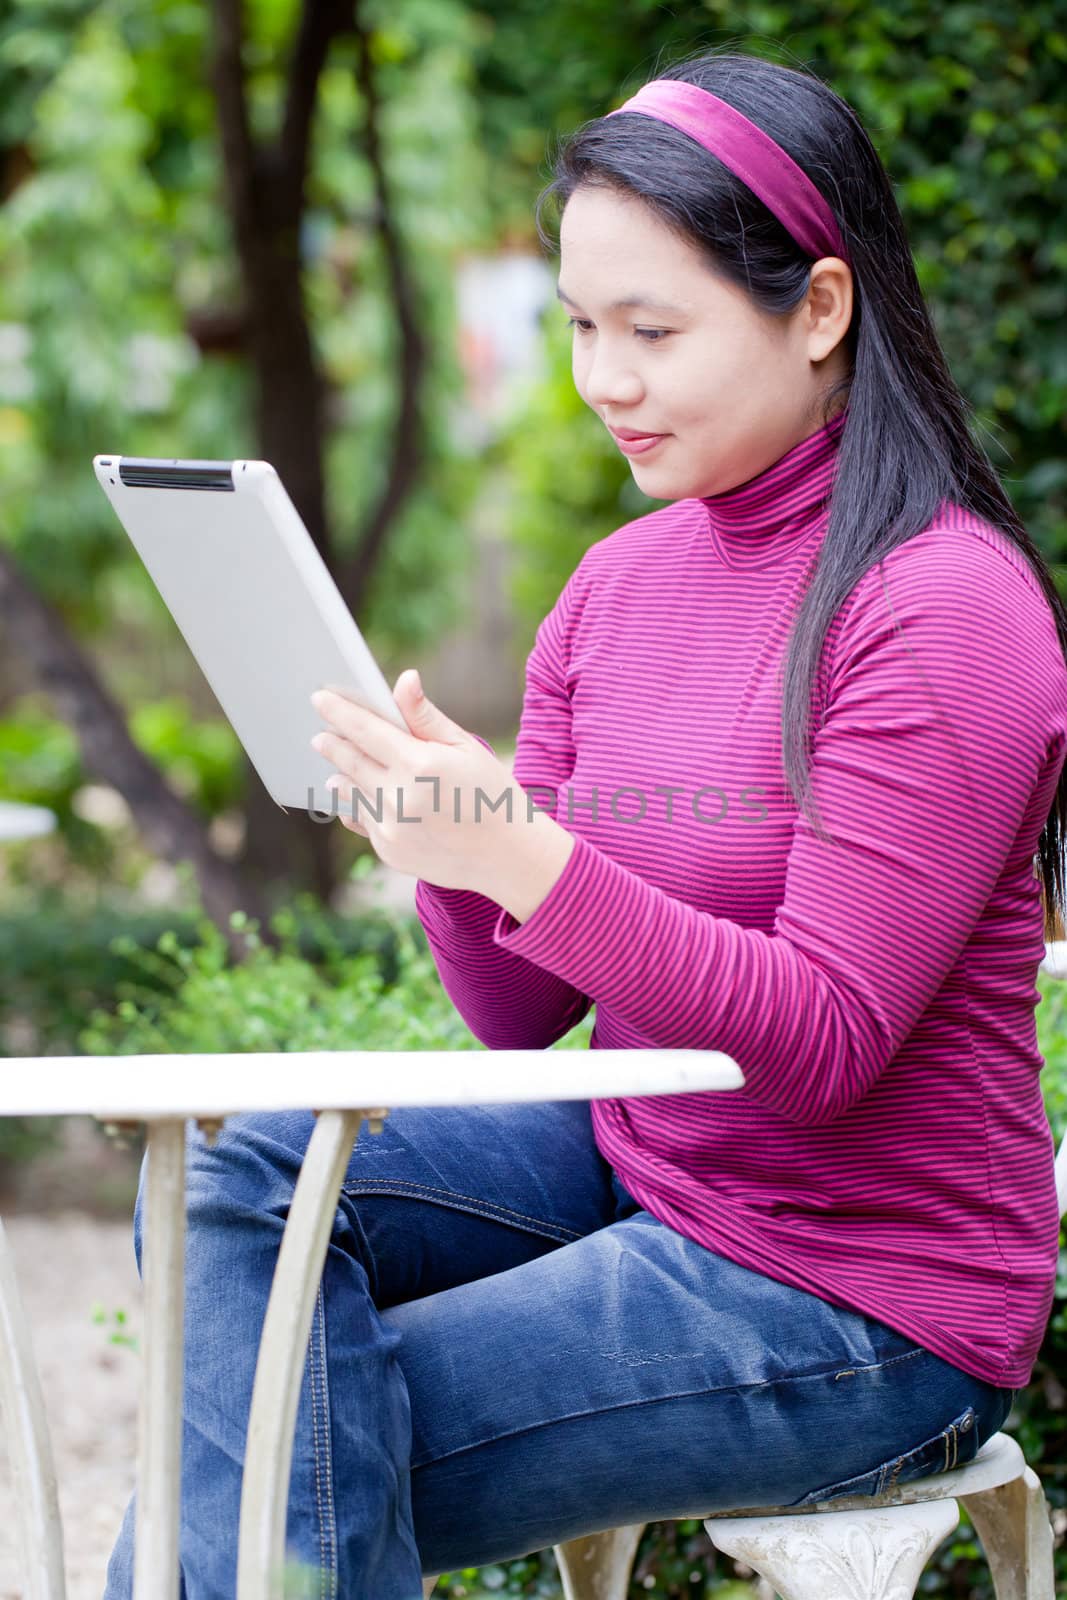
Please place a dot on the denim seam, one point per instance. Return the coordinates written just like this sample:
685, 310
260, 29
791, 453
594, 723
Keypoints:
888, 1474
323, 1456
314, 1401
488, 1208
737, 1388
316, 1447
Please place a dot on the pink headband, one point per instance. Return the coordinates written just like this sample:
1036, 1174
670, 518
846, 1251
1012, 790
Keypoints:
752, 155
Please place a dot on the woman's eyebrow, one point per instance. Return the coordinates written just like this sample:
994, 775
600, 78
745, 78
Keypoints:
630, 302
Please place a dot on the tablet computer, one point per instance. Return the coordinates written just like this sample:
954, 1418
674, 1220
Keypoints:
256, 604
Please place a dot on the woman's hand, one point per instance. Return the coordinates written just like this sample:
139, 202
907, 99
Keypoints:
434, 788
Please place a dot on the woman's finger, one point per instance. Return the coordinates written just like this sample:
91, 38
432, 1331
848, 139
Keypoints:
345, 808
346, 815
348, 758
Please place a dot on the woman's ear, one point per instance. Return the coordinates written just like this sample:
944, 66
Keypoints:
829, 305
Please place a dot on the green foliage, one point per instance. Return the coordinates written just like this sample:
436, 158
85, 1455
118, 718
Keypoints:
118, 1334
63, 961
203, 760
117, 248
119, 975
80, 300
1039, 1418
189, 998
39, 758
116, 244
41, 763
437, 180
60, 961
22, 1139
34, 40
192, 1000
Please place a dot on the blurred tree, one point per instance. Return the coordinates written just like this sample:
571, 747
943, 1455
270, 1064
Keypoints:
266, 188
33, 49
301, 292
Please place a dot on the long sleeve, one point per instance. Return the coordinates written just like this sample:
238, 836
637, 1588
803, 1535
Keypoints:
934, 765
508, 1001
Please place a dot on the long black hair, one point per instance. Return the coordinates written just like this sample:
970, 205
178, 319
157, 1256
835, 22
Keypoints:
907, 443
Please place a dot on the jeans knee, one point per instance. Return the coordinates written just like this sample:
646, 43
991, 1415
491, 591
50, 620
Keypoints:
249, 1170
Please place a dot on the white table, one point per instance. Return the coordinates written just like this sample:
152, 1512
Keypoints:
163, 1091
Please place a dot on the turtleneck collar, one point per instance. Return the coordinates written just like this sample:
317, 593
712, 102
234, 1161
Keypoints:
756, 523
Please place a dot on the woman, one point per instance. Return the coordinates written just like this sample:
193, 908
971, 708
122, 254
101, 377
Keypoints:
790, 786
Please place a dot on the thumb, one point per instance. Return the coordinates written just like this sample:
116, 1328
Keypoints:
424, 719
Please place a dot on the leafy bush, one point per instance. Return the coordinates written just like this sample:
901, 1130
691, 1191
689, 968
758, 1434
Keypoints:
190, 999
384, 995
63, 961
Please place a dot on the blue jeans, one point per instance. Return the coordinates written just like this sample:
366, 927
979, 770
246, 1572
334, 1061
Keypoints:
508, 1352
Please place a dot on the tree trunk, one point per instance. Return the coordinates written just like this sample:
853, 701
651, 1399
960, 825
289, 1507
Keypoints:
285, 846
265, 188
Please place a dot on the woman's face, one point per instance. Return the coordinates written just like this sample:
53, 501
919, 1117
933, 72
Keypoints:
729, 388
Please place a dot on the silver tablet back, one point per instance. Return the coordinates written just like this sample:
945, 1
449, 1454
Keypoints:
256, 604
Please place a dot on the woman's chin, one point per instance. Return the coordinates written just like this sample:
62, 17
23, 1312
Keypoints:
659, 484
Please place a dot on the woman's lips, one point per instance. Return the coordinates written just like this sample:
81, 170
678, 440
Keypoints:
638, 445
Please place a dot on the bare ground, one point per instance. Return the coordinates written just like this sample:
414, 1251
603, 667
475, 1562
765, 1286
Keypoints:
68, 1263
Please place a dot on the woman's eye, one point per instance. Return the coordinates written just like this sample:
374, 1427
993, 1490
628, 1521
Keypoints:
650, 335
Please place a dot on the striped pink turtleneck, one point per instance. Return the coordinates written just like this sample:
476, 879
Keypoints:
890, 1150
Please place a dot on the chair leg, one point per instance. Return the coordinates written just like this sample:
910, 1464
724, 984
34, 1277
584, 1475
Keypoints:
598, 1566
839, 1555
1013, 1524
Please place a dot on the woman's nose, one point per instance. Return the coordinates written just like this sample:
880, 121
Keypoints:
611, 380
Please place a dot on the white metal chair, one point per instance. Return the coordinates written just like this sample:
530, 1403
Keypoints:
865, 1547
